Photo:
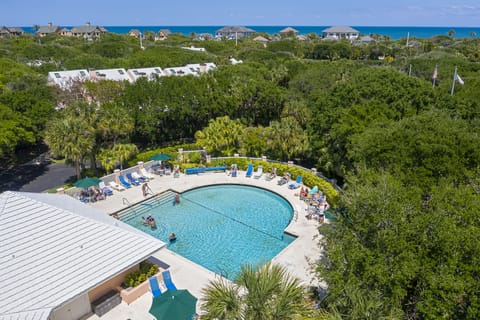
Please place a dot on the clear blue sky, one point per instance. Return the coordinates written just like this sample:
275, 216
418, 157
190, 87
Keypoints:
454, 13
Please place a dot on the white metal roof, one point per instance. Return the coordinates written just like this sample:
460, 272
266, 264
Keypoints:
54, 248
117, 74
149, 73
65, 79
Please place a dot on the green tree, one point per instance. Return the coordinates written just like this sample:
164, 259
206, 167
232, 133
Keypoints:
123, 152
268, 292
287, 139
71, 138
222, 136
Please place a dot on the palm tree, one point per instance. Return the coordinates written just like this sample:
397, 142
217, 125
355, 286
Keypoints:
268, 292
287, 138
114, 121
71, 138
123, 152
221, 136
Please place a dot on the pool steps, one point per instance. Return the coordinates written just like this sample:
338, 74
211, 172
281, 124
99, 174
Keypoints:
142, 208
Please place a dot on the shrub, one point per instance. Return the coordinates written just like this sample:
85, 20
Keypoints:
135, 278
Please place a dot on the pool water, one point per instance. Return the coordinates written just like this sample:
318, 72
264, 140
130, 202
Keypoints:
222, 227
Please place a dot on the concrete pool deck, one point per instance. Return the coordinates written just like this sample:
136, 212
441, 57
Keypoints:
296, 258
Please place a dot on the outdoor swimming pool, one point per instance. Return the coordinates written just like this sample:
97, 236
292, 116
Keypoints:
222, 227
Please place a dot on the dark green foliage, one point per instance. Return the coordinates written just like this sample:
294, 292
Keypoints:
145, 271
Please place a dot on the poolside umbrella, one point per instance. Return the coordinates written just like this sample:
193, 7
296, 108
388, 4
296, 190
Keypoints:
160, 157
87, 182
174, 305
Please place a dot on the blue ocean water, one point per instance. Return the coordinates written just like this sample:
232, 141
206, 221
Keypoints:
394, 33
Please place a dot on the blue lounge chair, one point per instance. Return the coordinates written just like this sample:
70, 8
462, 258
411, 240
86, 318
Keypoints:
124, 182
296, 184
167, 279
132, 180
154, 286
249, 172
108, 191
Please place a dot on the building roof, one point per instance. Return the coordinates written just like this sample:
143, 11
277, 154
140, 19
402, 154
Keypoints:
340, 29
181, 71
55, 248
288, 29
65, 79
50, 28
88, 29
149, 73
233, 29
260, 39
118, 74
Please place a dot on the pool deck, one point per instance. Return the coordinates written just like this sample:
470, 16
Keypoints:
296, 258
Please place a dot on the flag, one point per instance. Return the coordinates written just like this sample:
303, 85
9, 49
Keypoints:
459, 80
435, 73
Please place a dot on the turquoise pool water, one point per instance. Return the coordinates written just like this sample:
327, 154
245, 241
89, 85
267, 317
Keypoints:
221, 227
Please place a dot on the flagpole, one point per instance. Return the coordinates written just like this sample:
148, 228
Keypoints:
410, 70
408, 37
453, 82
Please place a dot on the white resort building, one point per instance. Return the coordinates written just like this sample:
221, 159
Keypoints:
59, 256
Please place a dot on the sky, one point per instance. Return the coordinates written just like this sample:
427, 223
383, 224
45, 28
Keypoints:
446, 13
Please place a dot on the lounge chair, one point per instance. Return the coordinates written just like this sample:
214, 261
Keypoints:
146, 174
249, 172
154, 286
284, 179
124, 182
259, 173
139, 177
168, 170
108, 191
271, 175
116, 186
167, 279
132, 180
296, 184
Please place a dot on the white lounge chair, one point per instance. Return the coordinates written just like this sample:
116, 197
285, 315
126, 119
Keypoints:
146, 174
139, 177
259, 172
116, 186
105, 189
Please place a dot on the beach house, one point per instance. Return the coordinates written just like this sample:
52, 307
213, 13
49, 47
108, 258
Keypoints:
235, 32
49, 29
340, 32
88, 31
10, 32
288, 31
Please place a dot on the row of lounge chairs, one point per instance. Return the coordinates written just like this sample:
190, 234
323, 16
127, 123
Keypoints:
269, 176
131, 179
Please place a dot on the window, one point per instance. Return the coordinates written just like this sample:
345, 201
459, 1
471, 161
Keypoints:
82, 73
121, 72
57, 75
157, 70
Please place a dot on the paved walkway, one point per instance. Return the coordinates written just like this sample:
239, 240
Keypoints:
296, 258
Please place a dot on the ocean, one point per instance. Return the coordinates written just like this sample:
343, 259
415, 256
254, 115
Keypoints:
394, 33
